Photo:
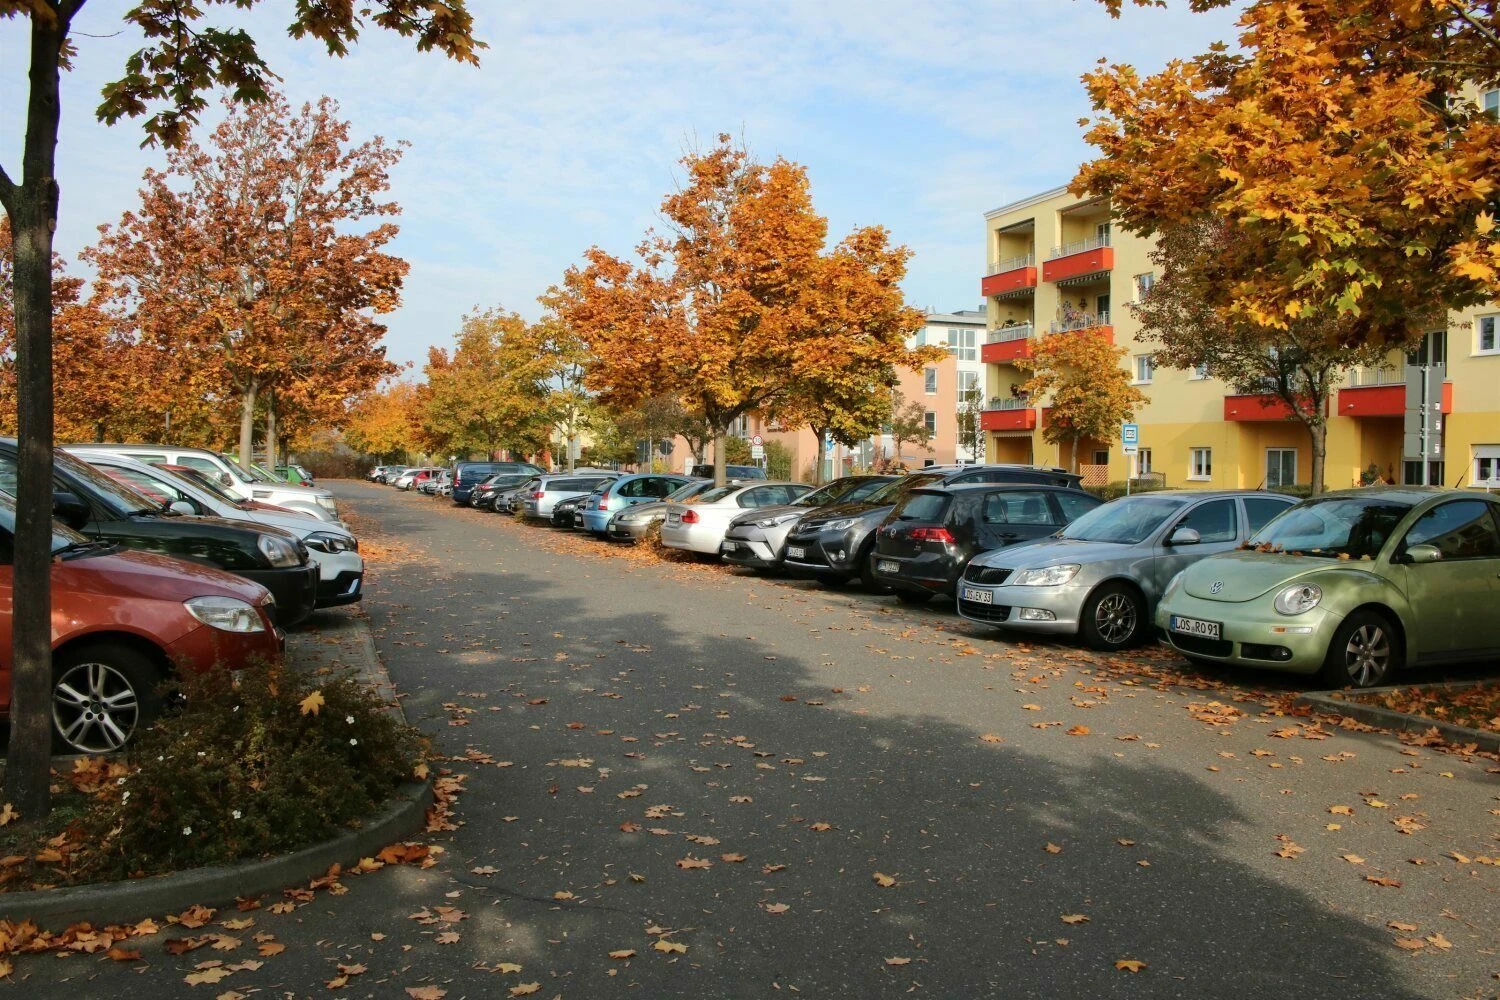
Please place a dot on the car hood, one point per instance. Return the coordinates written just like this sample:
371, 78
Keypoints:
126, 573
297, 524
837, 512
1041, 552
761, 513
1234, 577
643, 510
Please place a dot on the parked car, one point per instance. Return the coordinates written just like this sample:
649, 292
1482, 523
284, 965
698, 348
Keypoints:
1351, 585
498, 486
833, 544
375, 473
121, 622
631, 524
390, 473
295, 474
335, 550
924, 544
95, 505
627, 491
733, 473
568, 513
758, 538
1101, 577
699, 525
538, 500
412, 478
467, 475
235, 480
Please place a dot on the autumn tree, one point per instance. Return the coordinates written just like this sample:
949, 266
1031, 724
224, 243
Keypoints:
722, 308
1089, 393
385, 422
970, 429
907, 422
490, 393
165, 79
1338, 138
1300, 363
568, 397
258, 261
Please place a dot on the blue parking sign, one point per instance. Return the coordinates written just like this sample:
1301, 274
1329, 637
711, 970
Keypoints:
1130, 433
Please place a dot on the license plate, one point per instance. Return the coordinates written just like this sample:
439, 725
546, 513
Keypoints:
977, 596
674, 518
887, 566
796, 552
731, 546
1193, 626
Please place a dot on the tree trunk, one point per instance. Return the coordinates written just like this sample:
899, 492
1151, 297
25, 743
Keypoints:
247, 422
1076, 439
822, 455
1317, 434
721, 442
32, 207
272, 440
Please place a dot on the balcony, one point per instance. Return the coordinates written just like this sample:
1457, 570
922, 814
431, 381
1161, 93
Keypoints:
1008, 415
1009, 276
1376, 399
1263, 407
1006, 343
1082, 321
1082, 260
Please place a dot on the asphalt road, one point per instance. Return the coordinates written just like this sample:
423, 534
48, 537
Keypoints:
829, 794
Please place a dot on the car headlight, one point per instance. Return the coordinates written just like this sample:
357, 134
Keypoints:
1172, 585
1299, 598
328, 504
327, 541
1048, 576
278, 551
227, 614
771, 522
841, 524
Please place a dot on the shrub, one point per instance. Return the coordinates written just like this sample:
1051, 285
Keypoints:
778, 461
1116, 489
249, 768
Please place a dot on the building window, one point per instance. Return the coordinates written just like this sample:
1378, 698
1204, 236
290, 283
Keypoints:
1143, 462
1144, 284
1145, 367
1487, 465
963, 344
929, 376
968, 387
1199, 373
1491, 101
919, 339
1202, 464
1487, 340
929, 420
1411, 474
1281, 467
1101, 457
1101, 231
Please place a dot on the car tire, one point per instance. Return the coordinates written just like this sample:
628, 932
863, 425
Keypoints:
102, 695
831, 581
914, 597
1114, 618
1366, 651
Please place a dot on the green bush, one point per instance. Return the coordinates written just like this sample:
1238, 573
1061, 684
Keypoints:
778, 461
1116, 489
246, 769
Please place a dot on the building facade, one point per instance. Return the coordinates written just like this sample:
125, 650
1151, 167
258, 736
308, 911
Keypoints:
1059, 267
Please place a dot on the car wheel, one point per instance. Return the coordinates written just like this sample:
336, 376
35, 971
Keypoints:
1113, 617
831, 581
101, 696
917, 597
1365, 651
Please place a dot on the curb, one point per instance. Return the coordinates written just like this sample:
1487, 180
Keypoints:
1337, 703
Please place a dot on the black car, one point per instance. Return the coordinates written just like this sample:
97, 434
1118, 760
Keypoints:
467, 475
923, 545
834, 544
569, 513
483, 495
88, 501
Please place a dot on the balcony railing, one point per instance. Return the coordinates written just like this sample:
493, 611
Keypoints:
1004, 334
1079, 246
1009, 403
1011, 264
1361, 377
1081, 321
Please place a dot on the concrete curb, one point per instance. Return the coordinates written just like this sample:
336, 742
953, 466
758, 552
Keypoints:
121, 902
1339, 703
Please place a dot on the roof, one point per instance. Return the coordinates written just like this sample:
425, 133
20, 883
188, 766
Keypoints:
969, 487
1027, 202
972, 316
1410, 494
1199, 494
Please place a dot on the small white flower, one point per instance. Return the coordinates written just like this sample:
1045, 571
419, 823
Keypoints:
125, 797
159, 757
354, 743
236, 708
235, 814
119, 781
202, 753
349, 719
187, 831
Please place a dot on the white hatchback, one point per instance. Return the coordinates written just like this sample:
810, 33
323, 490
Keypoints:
699, 525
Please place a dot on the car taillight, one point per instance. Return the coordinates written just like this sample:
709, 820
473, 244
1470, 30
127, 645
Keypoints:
537, 495
932, 535
690, 517
604, 505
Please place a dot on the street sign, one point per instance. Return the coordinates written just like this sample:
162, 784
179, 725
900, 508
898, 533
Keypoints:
1130, 438
757, 440
757, 452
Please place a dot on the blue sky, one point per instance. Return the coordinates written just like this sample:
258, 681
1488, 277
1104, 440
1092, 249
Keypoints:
918, 116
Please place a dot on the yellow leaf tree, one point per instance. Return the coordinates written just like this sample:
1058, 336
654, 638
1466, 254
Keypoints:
1079, 378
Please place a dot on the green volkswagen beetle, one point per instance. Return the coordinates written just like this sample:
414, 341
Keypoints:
1352, 585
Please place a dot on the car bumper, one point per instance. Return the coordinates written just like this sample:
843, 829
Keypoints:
1044, 610
295, 590
345, 588
461, 496
930, 572
692, 537
206, 648
749, 547
629, 531
823, 552
1252, 634
597, 520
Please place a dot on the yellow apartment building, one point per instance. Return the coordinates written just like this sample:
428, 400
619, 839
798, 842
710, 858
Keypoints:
1058, 267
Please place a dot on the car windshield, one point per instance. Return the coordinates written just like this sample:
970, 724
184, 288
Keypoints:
687, 492
256, 472
120, 498
715, 495
1126, 521
62, 535
204, 483
500, 481
897, 488
237, 472
840, 491
1333, 527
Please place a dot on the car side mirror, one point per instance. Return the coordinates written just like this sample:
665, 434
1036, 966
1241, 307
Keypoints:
181, 507
1184, 536
70, 510
1423, 554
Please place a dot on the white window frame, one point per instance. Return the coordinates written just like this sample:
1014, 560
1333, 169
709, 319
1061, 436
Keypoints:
1148, 362
1486, 460
929, 420
1493, 319
1143, 284
1199, 373
1295, 459
1489, 102
1142, 462
972, 380
1200, 465
929, 381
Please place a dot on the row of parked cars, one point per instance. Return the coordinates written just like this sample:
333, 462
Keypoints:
1351, 585
166, 559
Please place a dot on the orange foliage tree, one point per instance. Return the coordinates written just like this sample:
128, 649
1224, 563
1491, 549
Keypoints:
385, 423
1336, 142
1087, 393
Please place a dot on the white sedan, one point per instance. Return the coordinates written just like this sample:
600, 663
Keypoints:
699, 525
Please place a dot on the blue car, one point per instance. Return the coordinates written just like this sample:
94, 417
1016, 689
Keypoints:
644, 487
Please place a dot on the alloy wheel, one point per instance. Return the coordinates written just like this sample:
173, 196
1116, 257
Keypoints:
95, 708
1115, 619
1367, 656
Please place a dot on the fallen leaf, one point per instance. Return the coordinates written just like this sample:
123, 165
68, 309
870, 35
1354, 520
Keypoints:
898, 961
1439, 942
206, 976
1130, 965
1074, 918
426, 992
1382, 880
311, 704
1032, 708
883, 880
669, 947
1341, 810
448, 937
692, 862
124, 954
1353, 859
506, 967
1397, 925
623, 953
525, 989
1079, 731
1410, 944
732, 858
776, 907
992, 738
8, 814
1052, 848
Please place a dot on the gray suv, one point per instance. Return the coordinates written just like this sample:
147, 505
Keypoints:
1101, 576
